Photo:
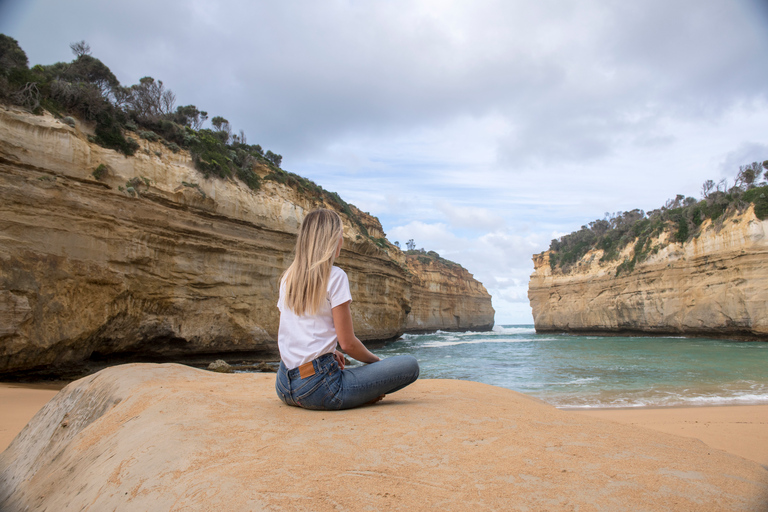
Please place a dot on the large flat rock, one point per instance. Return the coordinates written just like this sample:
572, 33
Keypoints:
170, 437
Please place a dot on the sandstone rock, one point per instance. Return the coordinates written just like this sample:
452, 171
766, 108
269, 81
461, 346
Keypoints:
220, 366
170, 437
262, 366
446, 297
713, 285
92, 275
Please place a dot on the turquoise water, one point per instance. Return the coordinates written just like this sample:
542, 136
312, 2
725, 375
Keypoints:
596, 371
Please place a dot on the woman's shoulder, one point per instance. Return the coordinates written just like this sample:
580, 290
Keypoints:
338, 278
337, 271
338, 287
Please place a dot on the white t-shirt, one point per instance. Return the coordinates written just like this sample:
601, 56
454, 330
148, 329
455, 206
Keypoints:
302, 338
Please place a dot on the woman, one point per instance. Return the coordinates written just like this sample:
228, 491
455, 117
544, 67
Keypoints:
314, 316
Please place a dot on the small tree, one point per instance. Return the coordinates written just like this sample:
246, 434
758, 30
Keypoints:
11, 55
223, 129
410, 244
150, 99
219, 123
707, 188
189, 115
90, 70
274, 158
80, 48
748, 175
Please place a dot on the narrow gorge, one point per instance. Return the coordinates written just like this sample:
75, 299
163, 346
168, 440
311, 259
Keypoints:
108, 258
714, 284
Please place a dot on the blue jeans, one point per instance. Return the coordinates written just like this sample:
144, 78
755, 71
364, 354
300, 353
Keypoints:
331, 388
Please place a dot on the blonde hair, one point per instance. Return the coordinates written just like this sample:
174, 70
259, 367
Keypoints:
306, 280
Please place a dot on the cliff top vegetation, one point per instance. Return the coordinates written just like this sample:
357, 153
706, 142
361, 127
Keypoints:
88, 90
427, 257
681, 217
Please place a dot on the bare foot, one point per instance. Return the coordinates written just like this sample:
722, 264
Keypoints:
377, 399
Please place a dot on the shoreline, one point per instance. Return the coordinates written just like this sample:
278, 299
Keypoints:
740, 335
653, 407
737, 429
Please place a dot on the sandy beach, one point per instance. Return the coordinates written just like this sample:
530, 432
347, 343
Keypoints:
18, 403
741, 429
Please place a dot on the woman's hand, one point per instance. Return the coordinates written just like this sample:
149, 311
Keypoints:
342, 322
339, 359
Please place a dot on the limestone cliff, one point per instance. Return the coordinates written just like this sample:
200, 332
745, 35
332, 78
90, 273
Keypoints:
152, 260
445, 296
715, 284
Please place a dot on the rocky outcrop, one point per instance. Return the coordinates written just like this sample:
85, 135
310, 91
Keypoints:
171, 437
445, 296
716, 284
153, 261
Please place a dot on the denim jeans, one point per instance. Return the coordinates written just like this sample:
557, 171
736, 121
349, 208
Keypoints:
331, 388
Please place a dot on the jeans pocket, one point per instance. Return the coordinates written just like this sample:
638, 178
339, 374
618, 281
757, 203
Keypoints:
283, 393
323, 394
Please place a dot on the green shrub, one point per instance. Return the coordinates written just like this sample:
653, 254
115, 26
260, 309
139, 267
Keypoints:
250, 178
100, 172
195, 186
759, 197
681, 217
148, 135
428, 257
210, 155
109, 135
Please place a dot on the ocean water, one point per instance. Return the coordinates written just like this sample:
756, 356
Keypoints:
570, 371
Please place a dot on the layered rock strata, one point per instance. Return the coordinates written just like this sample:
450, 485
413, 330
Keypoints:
446, 297
152, 260
171, 437
716, 284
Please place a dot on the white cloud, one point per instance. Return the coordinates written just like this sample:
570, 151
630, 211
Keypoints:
470, 217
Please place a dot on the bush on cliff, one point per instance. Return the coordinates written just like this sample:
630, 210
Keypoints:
87, 88
681, 217
428, 257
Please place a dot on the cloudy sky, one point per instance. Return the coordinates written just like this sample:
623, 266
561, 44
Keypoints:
481, 129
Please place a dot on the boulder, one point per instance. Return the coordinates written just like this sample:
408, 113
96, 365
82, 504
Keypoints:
171, 437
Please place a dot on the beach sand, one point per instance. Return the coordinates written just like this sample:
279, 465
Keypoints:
740, 429
18, 403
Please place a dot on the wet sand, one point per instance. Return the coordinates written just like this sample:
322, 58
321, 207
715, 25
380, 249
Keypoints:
739, 429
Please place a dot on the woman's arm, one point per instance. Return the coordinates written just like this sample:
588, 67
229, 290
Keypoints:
342, 320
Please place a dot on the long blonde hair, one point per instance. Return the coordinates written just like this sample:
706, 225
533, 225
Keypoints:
306, 280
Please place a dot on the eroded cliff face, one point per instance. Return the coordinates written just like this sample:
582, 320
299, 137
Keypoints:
713, 285
446, 297
186, 267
